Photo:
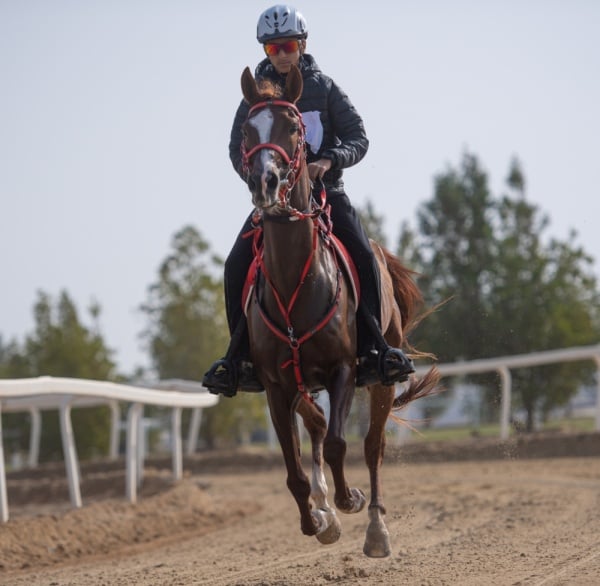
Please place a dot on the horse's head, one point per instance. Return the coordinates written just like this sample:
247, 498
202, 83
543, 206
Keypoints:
273, 140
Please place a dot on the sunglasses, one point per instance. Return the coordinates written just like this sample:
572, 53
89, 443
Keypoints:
272, 49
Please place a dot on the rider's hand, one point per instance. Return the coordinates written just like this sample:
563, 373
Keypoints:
317, 169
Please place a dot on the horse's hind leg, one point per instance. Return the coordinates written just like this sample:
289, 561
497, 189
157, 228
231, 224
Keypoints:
377, 542
347, 500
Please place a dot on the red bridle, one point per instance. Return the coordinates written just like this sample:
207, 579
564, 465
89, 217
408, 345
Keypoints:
294, 166
294, 163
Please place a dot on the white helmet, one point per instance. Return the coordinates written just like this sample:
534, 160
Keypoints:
280, 21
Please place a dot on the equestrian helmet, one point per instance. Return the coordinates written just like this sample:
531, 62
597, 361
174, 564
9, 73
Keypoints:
280, 21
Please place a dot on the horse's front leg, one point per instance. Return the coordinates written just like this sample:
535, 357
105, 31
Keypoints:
284, 421
377, 541
315, 424
341, 393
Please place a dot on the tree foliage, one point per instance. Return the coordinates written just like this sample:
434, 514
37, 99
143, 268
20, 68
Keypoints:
511, 289
184, 307
62, 346
187, 330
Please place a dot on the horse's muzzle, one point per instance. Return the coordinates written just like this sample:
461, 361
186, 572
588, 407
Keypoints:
264, 188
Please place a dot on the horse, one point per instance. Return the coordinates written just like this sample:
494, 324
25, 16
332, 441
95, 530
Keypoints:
301, 320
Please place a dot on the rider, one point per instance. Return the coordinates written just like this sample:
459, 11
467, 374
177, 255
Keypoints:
336, 139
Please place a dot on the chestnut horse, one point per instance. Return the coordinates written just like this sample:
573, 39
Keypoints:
301, 320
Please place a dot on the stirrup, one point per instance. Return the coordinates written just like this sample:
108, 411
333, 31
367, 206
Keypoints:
394, 366
221, 378
387, 367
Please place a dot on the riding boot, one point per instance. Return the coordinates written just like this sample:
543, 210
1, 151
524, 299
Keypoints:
234, 371
378, 362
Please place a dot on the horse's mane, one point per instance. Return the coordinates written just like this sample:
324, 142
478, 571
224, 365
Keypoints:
269, 90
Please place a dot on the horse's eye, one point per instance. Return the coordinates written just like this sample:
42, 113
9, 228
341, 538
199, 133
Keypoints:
294, 128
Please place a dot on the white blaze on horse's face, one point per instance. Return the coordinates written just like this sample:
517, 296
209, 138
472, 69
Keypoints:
265, 191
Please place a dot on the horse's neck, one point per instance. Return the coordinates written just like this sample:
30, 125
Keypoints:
290, 245
287, 249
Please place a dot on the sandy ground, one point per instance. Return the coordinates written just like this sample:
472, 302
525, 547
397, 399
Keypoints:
512, 519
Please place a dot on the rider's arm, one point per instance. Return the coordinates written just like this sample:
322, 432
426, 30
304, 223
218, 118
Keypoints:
349, 129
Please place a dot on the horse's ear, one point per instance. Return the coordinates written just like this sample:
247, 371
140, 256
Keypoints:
249, 87
293, 85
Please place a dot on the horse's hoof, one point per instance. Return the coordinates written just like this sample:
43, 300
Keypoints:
377, 541
332, 528
357, 502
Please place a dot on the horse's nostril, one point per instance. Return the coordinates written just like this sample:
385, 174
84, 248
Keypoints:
272, 181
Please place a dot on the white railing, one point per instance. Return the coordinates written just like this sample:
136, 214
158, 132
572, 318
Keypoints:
35, 405
503, 364
65, 393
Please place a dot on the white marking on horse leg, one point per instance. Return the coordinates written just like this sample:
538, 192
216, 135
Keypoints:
318, 485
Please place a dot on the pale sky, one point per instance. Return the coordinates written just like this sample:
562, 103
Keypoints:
115, 118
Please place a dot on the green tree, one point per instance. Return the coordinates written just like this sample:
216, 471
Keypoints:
188, 330
549, 290
185, 309
511, 290
62, 346
458, 248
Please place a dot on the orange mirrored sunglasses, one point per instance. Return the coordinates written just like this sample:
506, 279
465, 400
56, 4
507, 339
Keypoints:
272, 49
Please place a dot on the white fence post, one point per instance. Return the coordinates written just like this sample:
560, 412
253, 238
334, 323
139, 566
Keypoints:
193, 431
35, 437
506, 382
597, 359
133, 433
3, 489
70, 453
176, 448
115, 419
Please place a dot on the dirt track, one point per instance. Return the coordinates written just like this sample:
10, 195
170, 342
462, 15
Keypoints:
508, 521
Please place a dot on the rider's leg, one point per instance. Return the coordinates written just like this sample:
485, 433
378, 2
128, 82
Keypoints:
378, 362
235, 370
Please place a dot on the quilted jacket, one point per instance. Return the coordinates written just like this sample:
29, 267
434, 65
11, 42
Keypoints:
344, 140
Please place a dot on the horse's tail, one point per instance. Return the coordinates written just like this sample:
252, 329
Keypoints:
410, 301
418, 388
406, 293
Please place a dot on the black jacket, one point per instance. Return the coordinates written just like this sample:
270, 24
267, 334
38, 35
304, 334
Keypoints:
344, 141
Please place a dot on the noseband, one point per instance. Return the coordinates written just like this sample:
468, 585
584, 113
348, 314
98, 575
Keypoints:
294, 163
